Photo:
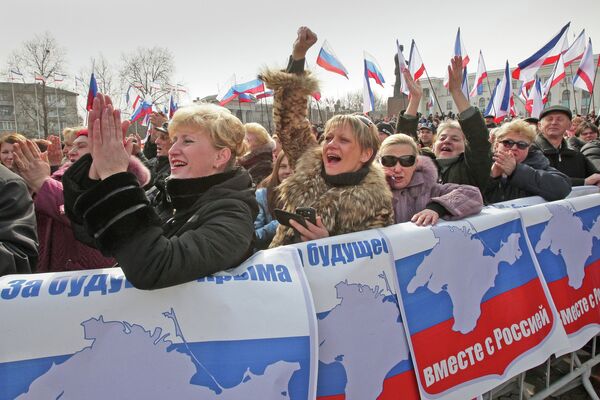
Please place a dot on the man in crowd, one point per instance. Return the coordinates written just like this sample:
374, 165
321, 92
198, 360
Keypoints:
384, 129
554, 122
426, 135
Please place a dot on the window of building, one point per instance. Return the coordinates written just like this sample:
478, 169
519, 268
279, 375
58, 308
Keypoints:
5, 96
449, 105
6, 111
585, 101
7, 125
426, 93
565, 100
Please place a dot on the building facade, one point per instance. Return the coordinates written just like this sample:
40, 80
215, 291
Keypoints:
23, 109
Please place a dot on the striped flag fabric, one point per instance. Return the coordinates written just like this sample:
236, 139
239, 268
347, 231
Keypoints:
479, 77
558, 74
576, 50
403, 66
92, 92
534, 103
415, 62
368, 99
329, 61
584, 77
372, 69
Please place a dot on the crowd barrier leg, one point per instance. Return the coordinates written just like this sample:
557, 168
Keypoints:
583, 371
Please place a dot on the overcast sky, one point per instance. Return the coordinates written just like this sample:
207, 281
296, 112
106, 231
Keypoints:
212, 40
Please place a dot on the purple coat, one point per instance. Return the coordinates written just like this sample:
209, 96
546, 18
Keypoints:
59, 250
459, 200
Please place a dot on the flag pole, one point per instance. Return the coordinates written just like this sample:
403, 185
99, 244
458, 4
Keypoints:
267, 114
573, 86
56, 100
433, 91
12, 85
37, 109
487, 80
592, 94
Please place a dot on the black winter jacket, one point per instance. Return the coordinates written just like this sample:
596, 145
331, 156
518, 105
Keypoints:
473, 166
211, 229
18, 230
533, 177
568, 161
592, 151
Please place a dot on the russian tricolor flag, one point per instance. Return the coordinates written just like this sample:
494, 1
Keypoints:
245, 98
586, 71
372, 69
265, 94
172, 107
547, 55
481, 75
328, 60
253, 86
460, 50
368, 99
144, 109
92, 92
502, 97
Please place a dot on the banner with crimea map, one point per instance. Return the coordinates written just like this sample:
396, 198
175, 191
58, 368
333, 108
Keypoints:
363, 353
565, 238
474, 306
248, 333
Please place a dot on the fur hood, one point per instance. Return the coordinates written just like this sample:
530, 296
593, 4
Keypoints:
343, 209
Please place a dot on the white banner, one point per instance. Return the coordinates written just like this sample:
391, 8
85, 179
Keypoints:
248, 333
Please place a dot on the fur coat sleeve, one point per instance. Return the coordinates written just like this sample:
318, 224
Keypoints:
290, 102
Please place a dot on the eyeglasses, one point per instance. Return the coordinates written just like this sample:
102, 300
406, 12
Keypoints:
391, 161
521, 145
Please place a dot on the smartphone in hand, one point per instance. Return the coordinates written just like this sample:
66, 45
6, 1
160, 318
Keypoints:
309, 213
284, 217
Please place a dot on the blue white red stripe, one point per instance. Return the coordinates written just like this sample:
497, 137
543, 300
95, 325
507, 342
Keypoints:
403, 66
372, 69
368, 99
144, 109
534, 103
547, 55
92, 92
460, 50
329, 61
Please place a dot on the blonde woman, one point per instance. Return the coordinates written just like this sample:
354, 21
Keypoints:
417, 196
214, 207
520, 170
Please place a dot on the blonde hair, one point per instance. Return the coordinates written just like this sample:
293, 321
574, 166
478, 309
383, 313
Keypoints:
364, 131
517, 126
12, 138
69, 133
262, 136
399, 139
224, 129
452, 124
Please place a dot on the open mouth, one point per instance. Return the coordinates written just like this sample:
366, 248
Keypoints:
333, 159
446, 148
178, 164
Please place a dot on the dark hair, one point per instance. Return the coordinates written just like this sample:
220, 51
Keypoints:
586, 125
271, 183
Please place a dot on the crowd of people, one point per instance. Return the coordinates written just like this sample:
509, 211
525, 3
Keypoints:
205, 191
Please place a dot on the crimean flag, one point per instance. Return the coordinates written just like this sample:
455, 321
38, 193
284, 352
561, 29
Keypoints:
329, 61
415, 62
585, 73
558, 74
547, 55
479, 77
575, 51
92, 92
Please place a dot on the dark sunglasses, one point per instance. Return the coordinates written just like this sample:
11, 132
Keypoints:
391, 161
510, 143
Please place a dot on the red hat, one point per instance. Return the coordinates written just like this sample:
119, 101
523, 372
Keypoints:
82, 132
